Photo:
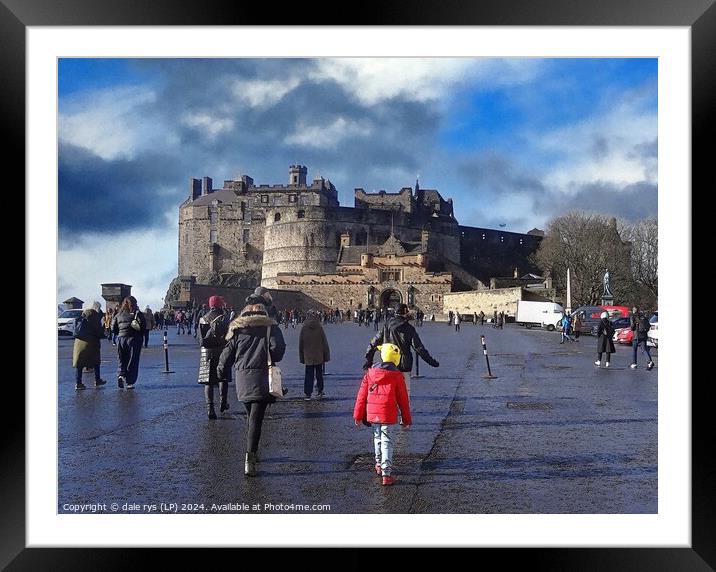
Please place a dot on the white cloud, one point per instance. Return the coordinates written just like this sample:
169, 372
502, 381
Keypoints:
371, 80
327, 135
146, 260
207, 124
601, 149
263, 93
111, 123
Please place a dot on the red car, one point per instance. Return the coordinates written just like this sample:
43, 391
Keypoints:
624, 336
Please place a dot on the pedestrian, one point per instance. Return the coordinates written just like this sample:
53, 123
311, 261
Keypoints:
254, 339
565, 323
482, 318
605, 332
190, 320
474, 318
494, 319
313, 352
577, 325
457, 320
179, 319
197, 316
88, 340
108, 323
149, 319
211, 332
129, 325
399, 331
500, 320
381, 395
450, 317
640, 325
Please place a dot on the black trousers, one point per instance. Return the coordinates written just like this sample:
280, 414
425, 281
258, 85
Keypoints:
79, 374
255, 411
223, 391
308, 379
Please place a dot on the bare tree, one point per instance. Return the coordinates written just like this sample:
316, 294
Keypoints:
587, 245
644, 239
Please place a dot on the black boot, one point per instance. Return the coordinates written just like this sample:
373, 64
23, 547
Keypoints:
250, 465
212, 412
224, 391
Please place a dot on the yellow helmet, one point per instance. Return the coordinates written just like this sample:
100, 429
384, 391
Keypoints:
389, 353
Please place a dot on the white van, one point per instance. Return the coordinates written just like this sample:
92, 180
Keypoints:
540, 314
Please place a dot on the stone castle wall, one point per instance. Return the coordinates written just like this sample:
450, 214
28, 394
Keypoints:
501, 299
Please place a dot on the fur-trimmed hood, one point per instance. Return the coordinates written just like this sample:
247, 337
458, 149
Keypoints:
254, 320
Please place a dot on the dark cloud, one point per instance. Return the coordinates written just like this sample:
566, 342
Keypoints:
109, 196
493, 177
632, 202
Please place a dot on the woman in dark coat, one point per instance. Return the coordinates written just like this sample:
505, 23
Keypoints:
86, 351
246, 351
211, 329
129, 341
605, 343
313, 352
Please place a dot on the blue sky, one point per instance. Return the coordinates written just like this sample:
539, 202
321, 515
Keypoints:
514, 142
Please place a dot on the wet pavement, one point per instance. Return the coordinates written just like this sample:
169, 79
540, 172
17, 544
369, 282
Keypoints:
551, 434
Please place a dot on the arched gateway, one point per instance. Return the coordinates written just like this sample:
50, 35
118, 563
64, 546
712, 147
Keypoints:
390, 298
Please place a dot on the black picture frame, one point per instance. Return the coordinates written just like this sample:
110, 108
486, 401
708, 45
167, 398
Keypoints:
699, 15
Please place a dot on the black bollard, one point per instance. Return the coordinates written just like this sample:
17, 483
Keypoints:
166, 354
417, 366
487, 359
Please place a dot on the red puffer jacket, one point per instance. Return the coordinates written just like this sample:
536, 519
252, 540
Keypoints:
381, 392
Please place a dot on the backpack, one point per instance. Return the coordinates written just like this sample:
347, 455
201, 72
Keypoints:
81, 328
214, 335
643, 324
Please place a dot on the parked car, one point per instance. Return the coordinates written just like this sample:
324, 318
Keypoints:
618, 324
66, 322
590, 317
652, 336
624, 336
617, 311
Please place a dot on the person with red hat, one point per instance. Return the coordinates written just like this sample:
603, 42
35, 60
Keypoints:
212, 329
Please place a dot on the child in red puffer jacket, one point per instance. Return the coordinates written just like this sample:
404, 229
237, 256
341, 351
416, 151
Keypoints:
382, 392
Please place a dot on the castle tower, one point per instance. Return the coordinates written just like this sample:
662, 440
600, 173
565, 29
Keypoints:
298, 239
297, 175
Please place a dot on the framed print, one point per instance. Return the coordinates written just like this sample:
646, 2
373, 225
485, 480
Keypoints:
121, 102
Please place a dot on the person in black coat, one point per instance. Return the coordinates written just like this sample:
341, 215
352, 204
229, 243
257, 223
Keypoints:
129, 341
605, 343
211, 330
399, 331
247, 352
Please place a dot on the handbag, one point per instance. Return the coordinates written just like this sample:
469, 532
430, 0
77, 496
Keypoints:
136, 324
275, 380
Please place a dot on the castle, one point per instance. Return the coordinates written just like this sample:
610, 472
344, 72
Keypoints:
386, 249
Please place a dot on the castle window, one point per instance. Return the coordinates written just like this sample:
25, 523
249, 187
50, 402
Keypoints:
292, 198
520, 241
483, 236
502, 239
213, 238
302, 214
264, 199
277, 217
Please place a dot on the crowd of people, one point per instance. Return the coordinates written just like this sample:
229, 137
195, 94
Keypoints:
241, 347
